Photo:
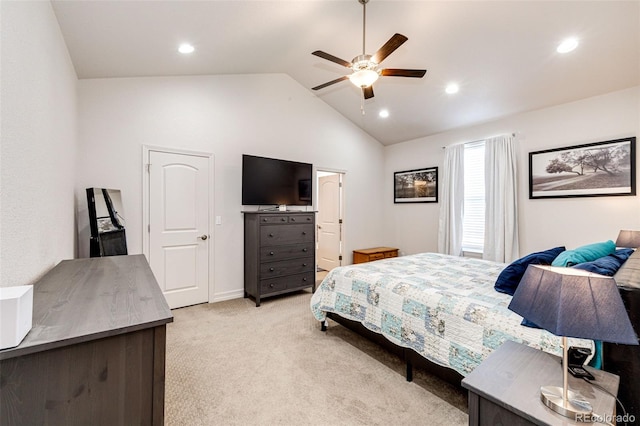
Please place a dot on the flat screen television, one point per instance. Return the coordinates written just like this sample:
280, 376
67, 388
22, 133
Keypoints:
269, 181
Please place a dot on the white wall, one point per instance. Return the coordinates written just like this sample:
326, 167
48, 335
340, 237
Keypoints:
38, 143
266, 115
543, 222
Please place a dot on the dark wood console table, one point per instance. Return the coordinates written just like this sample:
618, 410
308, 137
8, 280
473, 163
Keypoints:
96, 351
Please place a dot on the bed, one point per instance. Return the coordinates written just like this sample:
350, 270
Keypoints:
430, 307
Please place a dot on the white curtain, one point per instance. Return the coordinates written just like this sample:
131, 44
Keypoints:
452, 204
501, 198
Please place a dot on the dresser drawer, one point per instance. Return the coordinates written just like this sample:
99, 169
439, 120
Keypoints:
273, 234
286, 267
276, 218
301, 218
286, 283
273, 253
281, 218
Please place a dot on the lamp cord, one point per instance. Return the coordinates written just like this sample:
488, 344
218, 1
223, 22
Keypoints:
624, 412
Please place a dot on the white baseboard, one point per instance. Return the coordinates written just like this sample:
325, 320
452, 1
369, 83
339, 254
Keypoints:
227, 295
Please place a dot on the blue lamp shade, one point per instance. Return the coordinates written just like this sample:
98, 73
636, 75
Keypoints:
573, 303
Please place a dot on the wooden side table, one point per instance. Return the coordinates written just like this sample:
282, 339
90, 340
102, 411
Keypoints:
371, 254
505, 388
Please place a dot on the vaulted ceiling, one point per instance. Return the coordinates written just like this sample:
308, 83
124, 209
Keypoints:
502, 54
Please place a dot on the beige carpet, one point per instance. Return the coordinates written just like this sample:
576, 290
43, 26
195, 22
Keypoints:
231, 363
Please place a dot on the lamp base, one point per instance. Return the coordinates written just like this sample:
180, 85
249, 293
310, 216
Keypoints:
573, 408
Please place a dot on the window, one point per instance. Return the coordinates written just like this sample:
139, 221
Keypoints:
473, 222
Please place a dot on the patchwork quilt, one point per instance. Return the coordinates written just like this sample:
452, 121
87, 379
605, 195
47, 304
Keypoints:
443, 307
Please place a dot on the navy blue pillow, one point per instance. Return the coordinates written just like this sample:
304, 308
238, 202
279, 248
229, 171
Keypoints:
510, 276
528, 323
606, 265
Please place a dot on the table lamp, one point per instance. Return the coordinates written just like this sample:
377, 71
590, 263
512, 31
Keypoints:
628, 239
572, 302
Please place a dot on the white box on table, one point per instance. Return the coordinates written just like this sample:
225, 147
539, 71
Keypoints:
16, 312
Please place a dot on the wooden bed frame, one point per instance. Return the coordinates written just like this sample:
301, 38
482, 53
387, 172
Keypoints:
623, 360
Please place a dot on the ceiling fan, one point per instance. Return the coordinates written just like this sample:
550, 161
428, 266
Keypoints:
365, 67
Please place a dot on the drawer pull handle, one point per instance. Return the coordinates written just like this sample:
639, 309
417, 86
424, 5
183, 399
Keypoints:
304, 264
282, 219
304, 233
308, 219
293, 219
271, 253
304, 279
304, 250
271, 269
264, 219
271, 235
272, 285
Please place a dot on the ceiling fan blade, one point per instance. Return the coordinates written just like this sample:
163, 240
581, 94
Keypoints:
329, 83
367, 92
332, 58
394, 42
396, 72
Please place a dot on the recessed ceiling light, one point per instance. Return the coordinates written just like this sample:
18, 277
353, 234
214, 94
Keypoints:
452, 88
383, 113
567, 45
186, 48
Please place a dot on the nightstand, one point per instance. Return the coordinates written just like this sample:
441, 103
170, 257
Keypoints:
505, 388
371, 254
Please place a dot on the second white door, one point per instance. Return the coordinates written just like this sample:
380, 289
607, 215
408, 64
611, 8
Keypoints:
329, 222
179, 239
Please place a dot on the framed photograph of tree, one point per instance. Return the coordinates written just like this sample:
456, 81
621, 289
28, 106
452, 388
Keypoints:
592, 170
416, 186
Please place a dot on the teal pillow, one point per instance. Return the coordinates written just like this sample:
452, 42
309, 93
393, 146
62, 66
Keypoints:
583, 254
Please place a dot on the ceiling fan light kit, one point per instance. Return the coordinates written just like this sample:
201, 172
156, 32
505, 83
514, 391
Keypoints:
364, 71
365, 67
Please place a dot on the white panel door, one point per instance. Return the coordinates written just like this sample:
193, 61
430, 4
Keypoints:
179, 226
329, 222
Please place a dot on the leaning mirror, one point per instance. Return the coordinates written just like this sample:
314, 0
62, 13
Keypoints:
106, 221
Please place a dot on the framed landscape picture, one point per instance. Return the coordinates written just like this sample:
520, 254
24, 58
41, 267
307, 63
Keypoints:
591, 170
416, 186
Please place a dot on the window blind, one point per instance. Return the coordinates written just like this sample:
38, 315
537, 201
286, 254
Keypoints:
474, 205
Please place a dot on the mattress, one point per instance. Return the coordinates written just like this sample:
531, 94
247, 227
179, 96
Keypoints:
443, 307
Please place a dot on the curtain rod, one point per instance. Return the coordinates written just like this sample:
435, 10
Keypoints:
513, 135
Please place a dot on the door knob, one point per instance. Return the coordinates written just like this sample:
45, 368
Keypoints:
203, 237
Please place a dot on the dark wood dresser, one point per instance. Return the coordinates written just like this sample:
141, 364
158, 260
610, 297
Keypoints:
96, 351
624, 360
279, 253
